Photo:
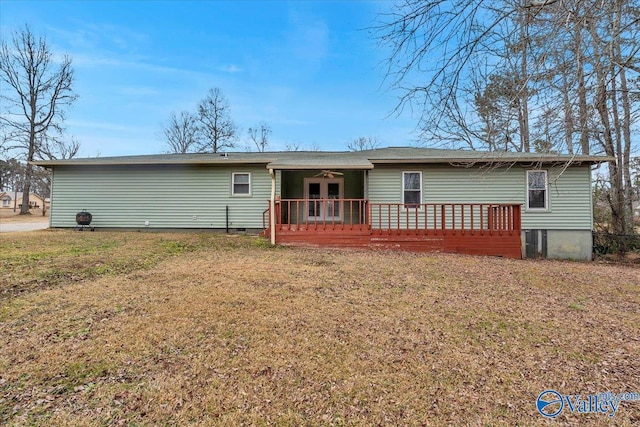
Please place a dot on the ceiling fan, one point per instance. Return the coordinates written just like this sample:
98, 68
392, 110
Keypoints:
328, 174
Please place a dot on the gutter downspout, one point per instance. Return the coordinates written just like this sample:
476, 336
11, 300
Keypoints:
226, 218
272, 207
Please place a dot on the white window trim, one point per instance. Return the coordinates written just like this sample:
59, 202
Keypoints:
546, 192
233, 182
404, 207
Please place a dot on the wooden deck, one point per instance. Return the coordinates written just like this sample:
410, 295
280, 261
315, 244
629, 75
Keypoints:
474, 229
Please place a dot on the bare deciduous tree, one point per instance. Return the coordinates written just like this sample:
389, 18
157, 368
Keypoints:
50, 149
11, 175
363, 143
217, 129
37, 88
552, 75
259, 136
54, 148
181, 133
5, 173
292, 146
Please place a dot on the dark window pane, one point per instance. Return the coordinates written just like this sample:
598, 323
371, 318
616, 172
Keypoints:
333, 188
241, 178
241, 189
537, 199
313, 208
412, 181
537, 181
411, 197
314, 190
334, 209
241, 183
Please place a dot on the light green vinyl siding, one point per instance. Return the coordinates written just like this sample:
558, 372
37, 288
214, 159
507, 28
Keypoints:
186, 196
569, 191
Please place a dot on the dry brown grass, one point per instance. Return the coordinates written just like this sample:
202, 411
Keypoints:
8, 216
216, 330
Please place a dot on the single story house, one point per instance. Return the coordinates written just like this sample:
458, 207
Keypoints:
493, 203
12, 199
6, 201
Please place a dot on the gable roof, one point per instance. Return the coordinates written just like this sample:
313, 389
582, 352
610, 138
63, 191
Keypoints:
332, 159
17, 195
321, 160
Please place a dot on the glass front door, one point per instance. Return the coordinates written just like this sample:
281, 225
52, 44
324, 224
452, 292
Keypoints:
323, 196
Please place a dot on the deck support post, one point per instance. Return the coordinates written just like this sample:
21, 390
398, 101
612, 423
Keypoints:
272, 207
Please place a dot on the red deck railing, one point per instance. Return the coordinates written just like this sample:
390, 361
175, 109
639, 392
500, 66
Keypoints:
320, 214
380, 218
445, 217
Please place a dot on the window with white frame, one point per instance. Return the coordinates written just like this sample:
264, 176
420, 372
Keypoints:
6, 202
240, 184
411, 189
537, 193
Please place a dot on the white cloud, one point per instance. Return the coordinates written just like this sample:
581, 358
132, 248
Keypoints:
88, 35
92, 60
230, 68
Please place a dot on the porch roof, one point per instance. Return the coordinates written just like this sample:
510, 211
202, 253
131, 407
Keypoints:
319, 160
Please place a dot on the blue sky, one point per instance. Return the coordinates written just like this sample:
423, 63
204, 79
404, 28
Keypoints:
311, 70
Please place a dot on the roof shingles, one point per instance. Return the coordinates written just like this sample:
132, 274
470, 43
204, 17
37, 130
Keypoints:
332, 160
